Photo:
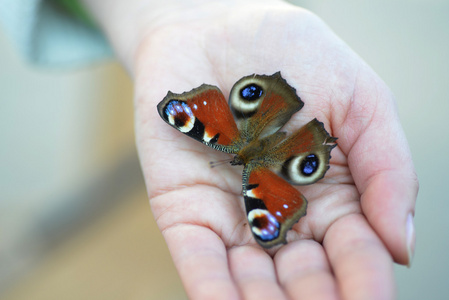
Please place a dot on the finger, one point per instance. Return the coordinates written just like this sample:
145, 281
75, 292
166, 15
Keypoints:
362, 265
388, 203
304, 272
254, 273
381, 164
201, 260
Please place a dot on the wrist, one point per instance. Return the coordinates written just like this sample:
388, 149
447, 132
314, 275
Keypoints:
114, 18
128, 23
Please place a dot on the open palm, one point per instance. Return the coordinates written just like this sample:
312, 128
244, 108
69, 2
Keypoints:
356, 219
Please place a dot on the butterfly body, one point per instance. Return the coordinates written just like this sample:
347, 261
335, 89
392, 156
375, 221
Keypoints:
248, 127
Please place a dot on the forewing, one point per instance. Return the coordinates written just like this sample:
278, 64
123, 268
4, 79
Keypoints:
273, 206
203, 114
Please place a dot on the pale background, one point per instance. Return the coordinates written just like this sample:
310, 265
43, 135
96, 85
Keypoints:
74, 217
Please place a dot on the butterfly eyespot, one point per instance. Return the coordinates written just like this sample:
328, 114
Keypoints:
304, 169
251, 92
179, 114
309, 165
263, 224
245, 101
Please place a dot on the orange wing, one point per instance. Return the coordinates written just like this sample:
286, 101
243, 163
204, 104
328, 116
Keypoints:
263, 104
304, 156
202, 114
273, 206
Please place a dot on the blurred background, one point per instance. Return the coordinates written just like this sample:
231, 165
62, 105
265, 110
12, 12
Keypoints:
74, 216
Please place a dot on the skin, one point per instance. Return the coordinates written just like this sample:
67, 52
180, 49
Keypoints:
356, 223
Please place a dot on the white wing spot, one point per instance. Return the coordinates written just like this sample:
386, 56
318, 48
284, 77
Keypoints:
250, 194
207, 137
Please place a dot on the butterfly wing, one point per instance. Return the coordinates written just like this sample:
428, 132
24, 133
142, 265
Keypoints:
304, 156
202, 114
263, 104
273, 206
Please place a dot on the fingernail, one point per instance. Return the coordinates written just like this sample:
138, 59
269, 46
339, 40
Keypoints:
410, 235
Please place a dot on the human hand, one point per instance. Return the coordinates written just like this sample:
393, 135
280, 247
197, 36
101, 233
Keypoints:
357, 217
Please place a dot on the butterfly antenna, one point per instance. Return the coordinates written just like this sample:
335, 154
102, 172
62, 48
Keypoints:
217, 163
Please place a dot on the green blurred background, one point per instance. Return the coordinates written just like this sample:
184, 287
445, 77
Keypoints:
74, 217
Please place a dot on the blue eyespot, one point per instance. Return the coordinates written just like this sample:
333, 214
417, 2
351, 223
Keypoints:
178, 113
309, 165
265, 226
251, 92
175, 107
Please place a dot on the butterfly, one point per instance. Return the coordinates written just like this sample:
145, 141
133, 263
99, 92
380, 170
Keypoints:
259, 105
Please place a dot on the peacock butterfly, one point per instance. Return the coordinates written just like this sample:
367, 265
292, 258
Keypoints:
259, 105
